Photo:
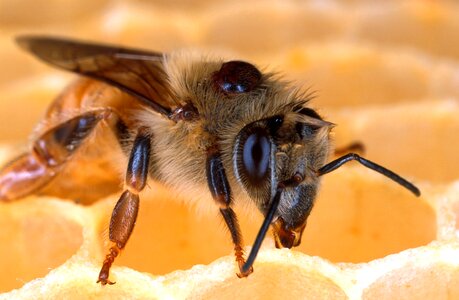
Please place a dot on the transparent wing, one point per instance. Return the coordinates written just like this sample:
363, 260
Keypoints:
137, 72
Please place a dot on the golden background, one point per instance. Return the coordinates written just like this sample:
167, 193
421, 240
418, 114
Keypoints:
386, 72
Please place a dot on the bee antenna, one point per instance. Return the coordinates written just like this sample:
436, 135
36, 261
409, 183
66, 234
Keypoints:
294, 181
263, 230
371, 165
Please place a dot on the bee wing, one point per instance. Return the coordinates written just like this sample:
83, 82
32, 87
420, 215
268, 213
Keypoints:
137, 72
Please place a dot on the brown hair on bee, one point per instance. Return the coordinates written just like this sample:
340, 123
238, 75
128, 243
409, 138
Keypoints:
213, 130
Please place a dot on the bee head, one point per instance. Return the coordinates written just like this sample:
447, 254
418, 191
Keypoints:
283, 150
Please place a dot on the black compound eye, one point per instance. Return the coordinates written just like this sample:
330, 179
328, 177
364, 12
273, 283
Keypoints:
236, 77
255, 157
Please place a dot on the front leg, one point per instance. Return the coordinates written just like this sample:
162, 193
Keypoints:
125, 212
221, 192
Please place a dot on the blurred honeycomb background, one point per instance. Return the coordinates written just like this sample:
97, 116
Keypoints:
386, 72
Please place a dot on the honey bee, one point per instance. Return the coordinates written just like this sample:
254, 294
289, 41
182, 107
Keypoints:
222, 129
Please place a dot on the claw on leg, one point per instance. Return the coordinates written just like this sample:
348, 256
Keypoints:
105, 270
241, 261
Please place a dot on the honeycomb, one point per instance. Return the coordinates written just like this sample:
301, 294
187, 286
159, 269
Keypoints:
386, 72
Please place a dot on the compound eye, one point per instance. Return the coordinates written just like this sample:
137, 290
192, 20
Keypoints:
236, 77
255, 157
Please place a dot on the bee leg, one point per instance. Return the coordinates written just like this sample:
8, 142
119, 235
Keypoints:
221, 192
292, 182
233, 225
262, 232
31, 171
125, 212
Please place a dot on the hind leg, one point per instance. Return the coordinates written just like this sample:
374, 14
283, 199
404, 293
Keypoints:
31, 171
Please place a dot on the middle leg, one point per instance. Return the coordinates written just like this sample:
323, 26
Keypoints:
221, 192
